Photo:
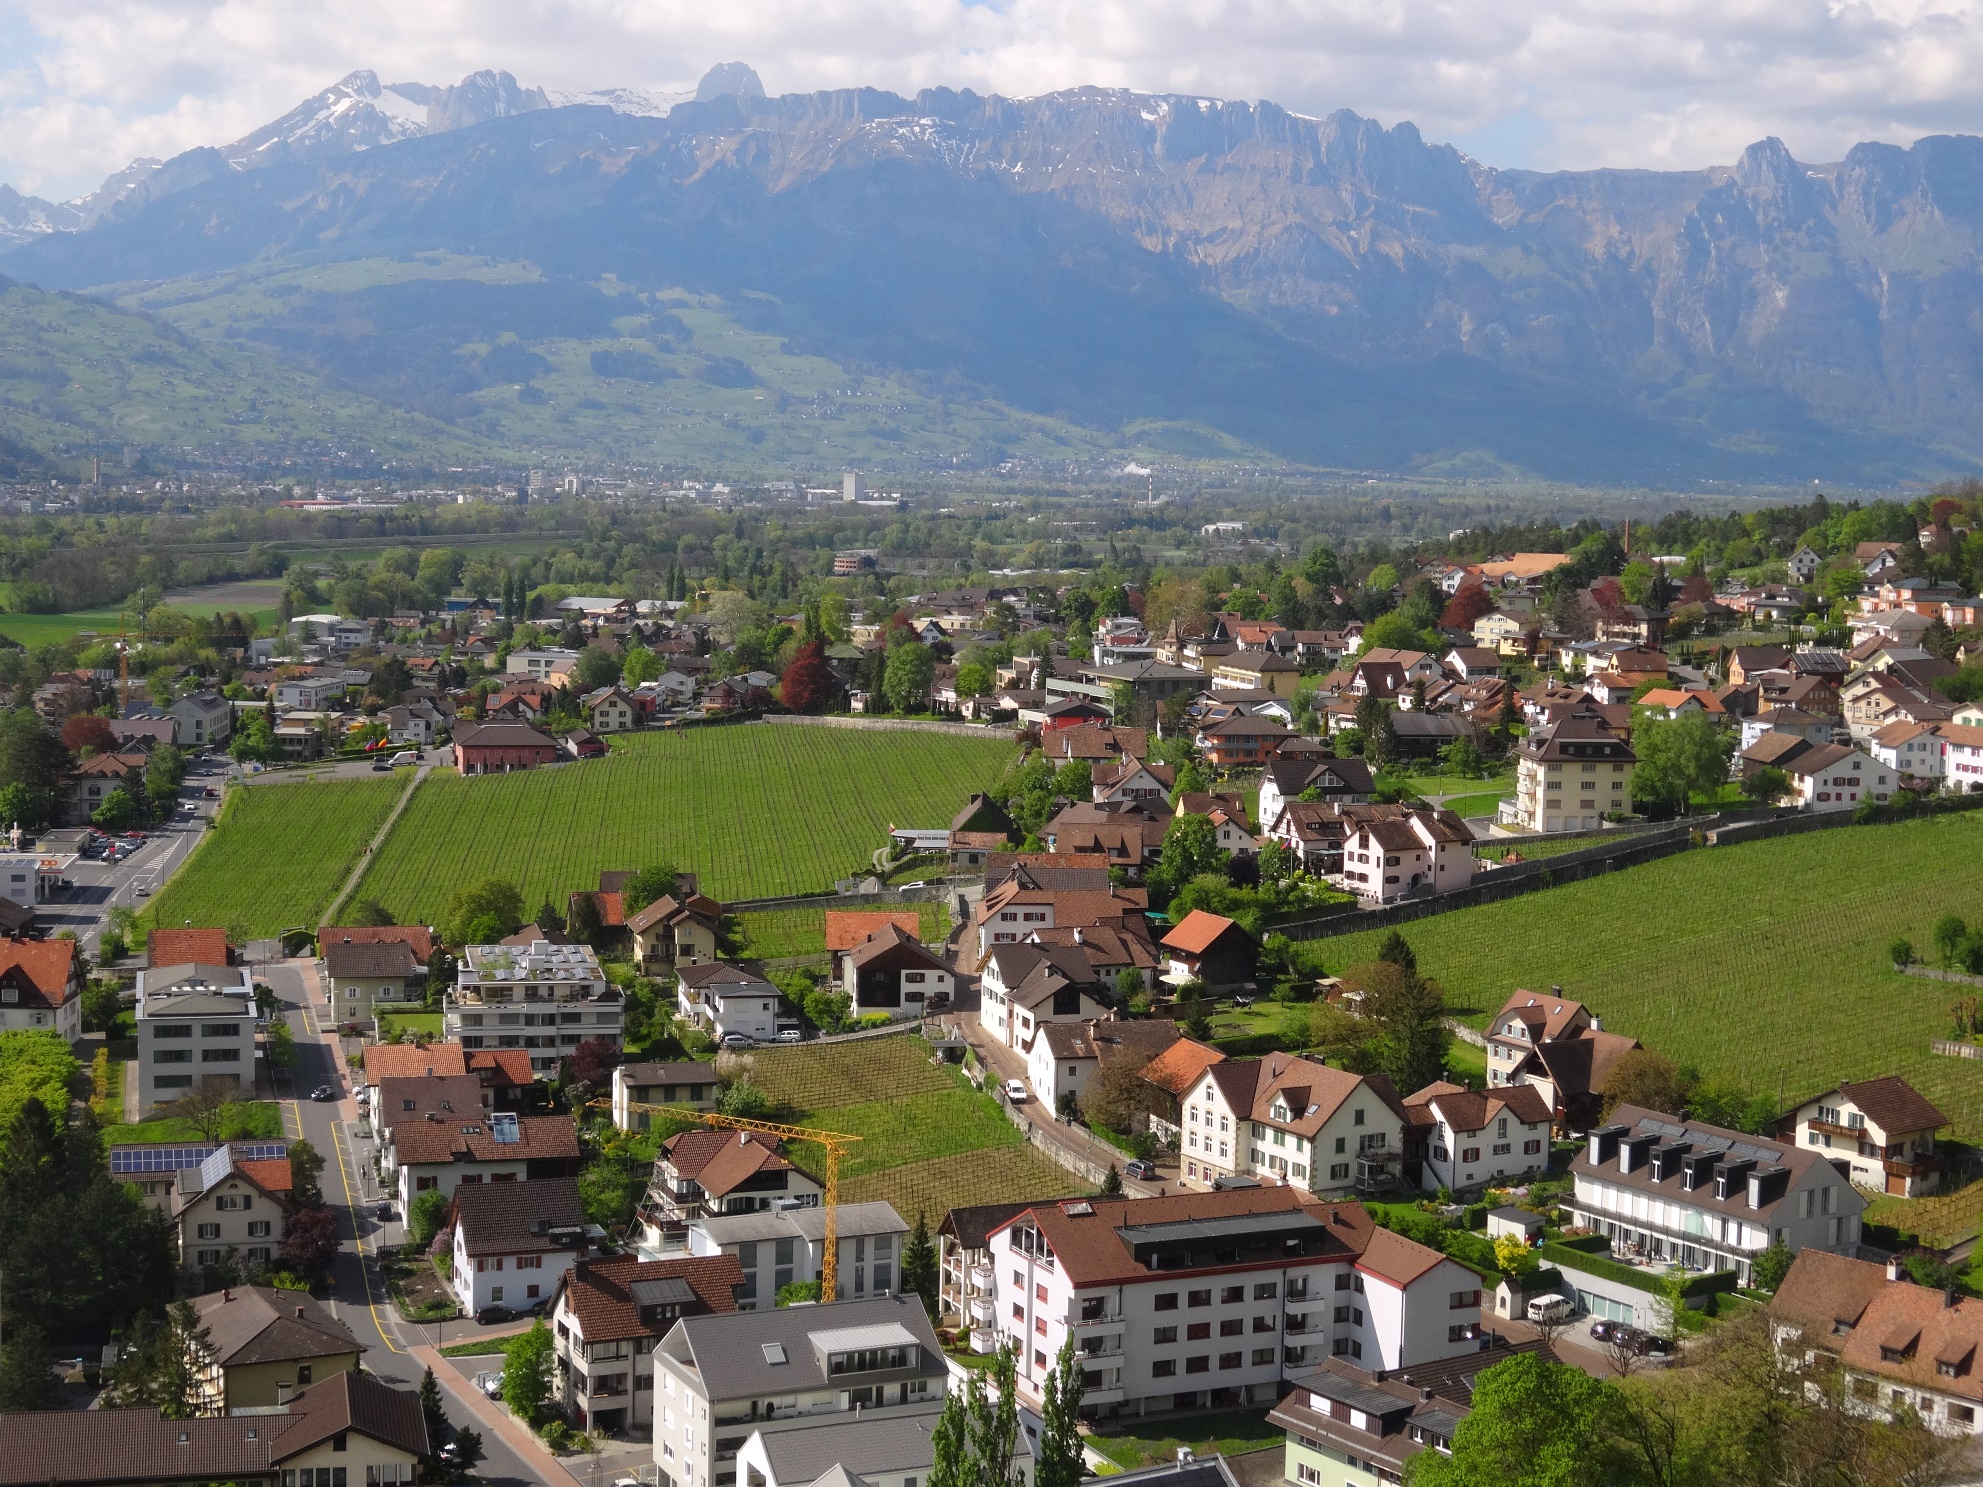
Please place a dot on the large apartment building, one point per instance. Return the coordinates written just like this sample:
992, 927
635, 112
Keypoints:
1216, 1299
542, 997
195, 1023
1666, 1191
723, 1378
1569, 776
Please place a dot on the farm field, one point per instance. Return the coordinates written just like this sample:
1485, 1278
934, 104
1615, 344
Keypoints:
773, 933
933, 1144
278, 856
1764, 963
757, 811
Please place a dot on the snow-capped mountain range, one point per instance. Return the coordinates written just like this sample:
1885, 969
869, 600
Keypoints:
356, 113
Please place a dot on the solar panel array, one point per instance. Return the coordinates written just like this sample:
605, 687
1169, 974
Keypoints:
132, 1160
1711, 1141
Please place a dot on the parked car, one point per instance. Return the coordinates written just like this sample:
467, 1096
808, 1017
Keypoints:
791, 1035
381, 767
1548, 1309
491, 1384
491, 1314
1015, 1091
739, 1040
1603, 1329
1140, 1169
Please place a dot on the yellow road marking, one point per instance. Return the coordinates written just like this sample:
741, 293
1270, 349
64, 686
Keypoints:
351, 1206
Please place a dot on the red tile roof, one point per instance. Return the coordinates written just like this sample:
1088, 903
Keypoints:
599, 1292
50, 965
472, 1138
271, 1174
1196, 933
182, 947
846, 928
416, 937
409, 1061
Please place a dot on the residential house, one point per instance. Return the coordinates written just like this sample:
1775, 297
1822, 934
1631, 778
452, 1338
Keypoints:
417, 724
379, 1062
1037, 898
891, 971
781, 1371
261, 1345
497, 748
229, 1208
1240, 741
349, 1427
846, 928
1212, 950
608, 1314
419, 938
1094, 742
1789, 720
1111, 950
1261, 670
1470, 663
582, 743
311, 694
41, 987
446, 1152
609, 710
729, 1001
1465, 1139
1219, 1299
683, 1084
1962, 757
1881, 1130
201, 720
678, 929
1498, 632
1428, 850
403, 1100
195, 1023
1803, 564
357, 976
786, 1245
544, 997
1568, 776
1560, 1047
1128, 779
1836, 777
520, 702
1913, 751
1292, 1119
1025, 986
1897, 1346
1313, 832
1522, 569
981, 828
1667, 1192
1332, 780
709, 1173
542, 664
1126, 834
514, 1243
1066, 1056
91, 783
1872, 702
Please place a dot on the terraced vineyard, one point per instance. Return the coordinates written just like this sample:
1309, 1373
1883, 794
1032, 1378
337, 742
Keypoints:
278, 856
1766, 962
758, 811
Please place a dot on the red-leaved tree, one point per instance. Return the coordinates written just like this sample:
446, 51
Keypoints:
594, 1060
88, 731
1467, 605
309, 1240
807, 685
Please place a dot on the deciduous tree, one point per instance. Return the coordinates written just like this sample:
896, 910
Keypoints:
808, 684
1646, 1079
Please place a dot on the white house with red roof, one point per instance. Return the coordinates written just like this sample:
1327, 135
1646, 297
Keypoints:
41, 987
1464, 1139
1214, 1300
1291, 1119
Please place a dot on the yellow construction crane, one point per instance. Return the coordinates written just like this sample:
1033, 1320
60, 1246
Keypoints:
834, 1142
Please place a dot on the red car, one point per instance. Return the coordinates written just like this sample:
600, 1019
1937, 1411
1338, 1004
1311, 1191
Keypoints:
134, 836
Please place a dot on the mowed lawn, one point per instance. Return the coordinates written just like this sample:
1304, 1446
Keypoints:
772, 933
930, 1144
1766, 962
758, 810
278, 856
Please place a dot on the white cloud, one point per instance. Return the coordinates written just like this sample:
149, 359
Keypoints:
86, 85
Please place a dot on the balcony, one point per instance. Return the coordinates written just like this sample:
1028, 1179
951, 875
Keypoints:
984, 1311
1917, 1166
1099, 1319
984, 1280
1110, 1348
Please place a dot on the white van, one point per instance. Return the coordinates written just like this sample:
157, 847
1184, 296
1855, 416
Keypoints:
1548, 1309
404, 756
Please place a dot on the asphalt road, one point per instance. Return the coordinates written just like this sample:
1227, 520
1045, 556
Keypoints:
99, 886
358, 1297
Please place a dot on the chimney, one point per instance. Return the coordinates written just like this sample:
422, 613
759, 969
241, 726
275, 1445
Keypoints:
282, 1391
299, 1311
1424, 1394
1894, 1271
226, 1295
1948, 1298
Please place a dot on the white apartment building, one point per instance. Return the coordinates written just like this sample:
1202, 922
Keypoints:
1025, 986
1291, 1119
1216, 1299
722, 1378
784, 1246
1668, 1192
1881, 1130
1568, 777
542, 997
195, 1023
607, 1315
540, 663
1465, 1139
726, 1000
1836, 777
1385, 859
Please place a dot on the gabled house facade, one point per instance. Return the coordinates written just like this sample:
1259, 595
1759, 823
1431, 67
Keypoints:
1881, 1130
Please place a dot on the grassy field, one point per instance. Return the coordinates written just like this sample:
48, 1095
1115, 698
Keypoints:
414, 1022
278, 856
773, 933
1764, 963
1230, 1434
758, 811
933, 1144
259, 1119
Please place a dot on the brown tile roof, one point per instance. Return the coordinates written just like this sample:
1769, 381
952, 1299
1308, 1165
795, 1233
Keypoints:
1106, 945
449, 1094
500, 1067
720, 1160
1826, 1294
1932, 1331
1197, 931
1312, 1092
1471, 1110
1095, 741
174, 947
1396, 1258
416, 937
846, 928
599, 1292
668, 908
470, 1137
258, 1324
1894, 1105
1177, 1068
408, 1060
356, 1402
496, 1217
386, 958
47, 967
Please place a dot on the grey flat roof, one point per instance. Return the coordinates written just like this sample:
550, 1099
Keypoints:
728, 1347
865, 1219
1357, 1396
900, 1443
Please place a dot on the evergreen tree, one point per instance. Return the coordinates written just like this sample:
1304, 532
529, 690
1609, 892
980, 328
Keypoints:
1397, 951
950, 1463
919, 1265
306, 1170
1112, 1183
1058, 1461
27, 1376
439, 1431
992, 1419
583, 926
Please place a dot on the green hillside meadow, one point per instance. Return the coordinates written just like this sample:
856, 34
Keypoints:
757, 810
1765, 962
